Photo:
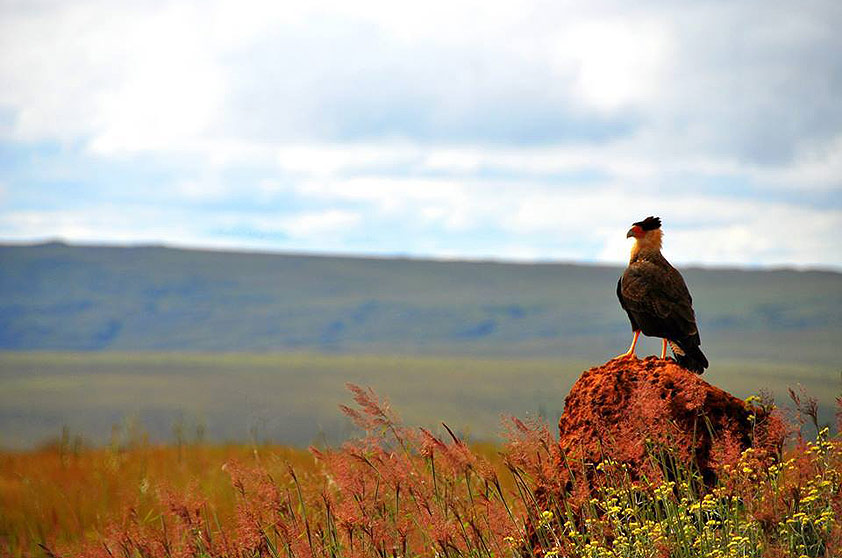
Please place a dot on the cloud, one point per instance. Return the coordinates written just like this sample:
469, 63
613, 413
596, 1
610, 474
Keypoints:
588, 222
328, 159
468, 220
321, 223
165, 76
739, 233
618, 62
502, 128
93, 224
815, 166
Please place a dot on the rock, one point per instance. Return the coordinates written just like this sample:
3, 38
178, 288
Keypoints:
625, 407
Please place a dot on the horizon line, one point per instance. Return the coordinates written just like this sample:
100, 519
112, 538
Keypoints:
5, 242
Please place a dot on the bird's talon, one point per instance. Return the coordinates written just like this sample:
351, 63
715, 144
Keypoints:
625, 356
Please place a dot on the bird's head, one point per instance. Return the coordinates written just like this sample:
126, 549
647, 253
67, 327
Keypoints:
647, 235
642, 228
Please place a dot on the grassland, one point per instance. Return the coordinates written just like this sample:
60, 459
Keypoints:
133, 348
66, 494
288, 398
59, 297
400, 491
238, 346
292, 398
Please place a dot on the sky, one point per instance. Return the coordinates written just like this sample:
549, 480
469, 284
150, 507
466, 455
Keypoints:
523, 130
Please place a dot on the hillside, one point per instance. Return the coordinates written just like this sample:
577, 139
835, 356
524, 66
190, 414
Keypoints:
59, 297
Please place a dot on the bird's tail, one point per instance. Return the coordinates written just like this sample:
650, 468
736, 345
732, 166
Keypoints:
688, 355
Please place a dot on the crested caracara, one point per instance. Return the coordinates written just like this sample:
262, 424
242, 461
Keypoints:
655, 297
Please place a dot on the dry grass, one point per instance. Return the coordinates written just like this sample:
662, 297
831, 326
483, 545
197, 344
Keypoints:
63, 495
401, 491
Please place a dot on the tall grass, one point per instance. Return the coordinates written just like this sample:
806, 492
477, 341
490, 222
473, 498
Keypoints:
401, 491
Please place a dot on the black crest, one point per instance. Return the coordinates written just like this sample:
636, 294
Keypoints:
649, 224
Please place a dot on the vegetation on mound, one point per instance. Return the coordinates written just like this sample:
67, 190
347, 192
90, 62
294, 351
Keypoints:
400, 491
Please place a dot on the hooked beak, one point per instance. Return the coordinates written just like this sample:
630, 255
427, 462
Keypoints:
630, 234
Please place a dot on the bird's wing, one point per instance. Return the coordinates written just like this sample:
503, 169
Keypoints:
657, 287
625, 306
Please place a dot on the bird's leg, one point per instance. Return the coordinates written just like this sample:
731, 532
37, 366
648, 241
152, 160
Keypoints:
663, 349
630, 352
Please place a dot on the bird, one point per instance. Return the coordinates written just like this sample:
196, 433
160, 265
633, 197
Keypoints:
656, 298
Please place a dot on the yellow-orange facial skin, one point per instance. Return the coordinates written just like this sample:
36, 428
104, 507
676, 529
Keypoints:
644, 241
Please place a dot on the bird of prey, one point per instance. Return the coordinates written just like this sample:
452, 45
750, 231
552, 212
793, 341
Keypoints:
655, 297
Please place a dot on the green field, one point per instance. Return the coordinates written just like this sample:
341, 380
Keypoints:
293, 398
56, 297
238, 346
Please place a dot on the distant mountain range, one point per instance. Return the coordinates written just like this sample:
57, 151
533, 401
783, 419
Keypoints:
60, 297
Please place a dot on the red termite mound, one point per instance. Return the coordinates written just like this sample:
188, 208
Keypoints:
624, 408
